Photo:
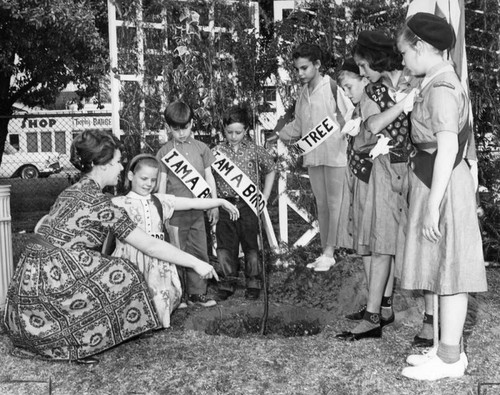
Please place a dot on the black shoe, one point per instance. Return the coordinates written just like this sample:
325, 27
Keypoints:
252, 293
358, 315
223, 294
349, 336
388, 321
422, 342
86, 361
343, 335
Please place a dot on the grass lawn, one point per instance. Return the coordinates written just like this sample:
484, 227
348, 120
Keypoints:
181, 360
186, 360
31, 199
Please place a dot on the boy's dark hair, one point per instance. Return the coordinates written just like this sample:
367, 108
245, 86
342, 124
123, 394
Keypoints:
309, 51
178, 114
379, 60
236, 114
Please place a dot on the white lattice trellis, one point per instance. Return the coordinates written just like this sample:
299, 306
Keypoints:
140, 25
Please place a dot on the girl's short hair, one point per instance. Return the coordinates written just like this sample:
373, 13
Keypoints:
178, 114
236, 114
379, 60
138, 162
309, 51
93, 147
344, 74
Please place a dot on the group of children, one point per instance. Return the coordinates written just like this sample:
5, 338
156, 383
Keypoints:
169, 193
417, 223
407, 204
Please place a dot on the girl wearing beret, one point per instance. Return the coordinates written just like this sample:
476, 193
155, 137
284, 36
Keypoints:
443, 249
378, 61
326, 162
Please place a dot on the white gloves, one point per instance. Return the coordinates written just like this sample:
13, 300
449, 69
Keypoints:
352, 127
382, 147
408, 98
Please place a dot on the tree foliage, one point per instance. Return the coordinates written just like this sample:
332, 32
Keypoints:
45, 45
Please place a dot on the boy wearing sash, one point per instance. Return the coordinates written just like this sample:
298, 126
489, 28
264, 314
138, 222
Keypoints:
186, 173
239, 166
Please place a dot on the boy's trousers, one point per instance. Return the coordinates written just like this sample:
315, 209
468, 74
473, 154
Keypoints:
229, 236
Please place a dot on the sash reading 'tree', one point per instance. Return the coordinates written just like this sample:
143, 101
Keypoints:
240, 182
186, 172
315, 137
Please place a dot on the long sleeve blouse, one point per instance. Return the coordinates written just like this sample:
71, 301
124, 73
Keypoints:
310, 110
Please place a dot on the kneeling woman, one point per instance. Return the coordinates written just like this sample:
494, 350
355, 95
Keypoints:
67, 301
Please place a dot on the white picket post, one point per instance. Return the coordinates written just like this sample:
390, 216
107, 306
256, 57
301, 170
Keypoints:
6, 260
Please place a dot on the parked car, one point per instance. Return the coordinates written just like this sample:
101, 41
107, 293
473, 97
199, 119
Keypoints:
28, 164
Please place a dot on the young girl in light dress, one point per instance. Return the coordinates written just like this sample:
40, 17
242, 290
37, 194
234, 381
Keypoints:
151, 212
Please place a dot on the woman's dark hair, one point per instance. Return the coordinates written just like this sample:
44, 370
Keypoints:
309, 51
379, 60
136, 163
93, 147
178, 114
236, 114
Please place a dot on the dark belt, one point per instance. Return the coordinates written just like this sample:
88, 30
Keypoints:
429, 145
399, 155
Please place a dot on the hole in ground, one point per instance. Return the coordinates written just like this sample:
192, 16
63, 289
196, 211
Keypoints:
245, 320
243, 325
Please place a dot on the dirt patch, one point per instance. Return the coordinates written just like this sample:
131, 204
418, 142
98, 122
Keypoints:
302, 303
236, 320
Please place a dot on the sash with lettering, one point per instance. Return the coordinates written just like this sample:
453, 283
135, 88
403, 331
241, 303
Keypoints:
186, 172
315, 137
240, 182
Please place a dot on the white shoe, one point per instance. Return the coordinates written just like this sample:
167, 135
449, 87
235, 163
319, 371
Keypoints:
419, 359
434, 369
324, 263
312, 265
